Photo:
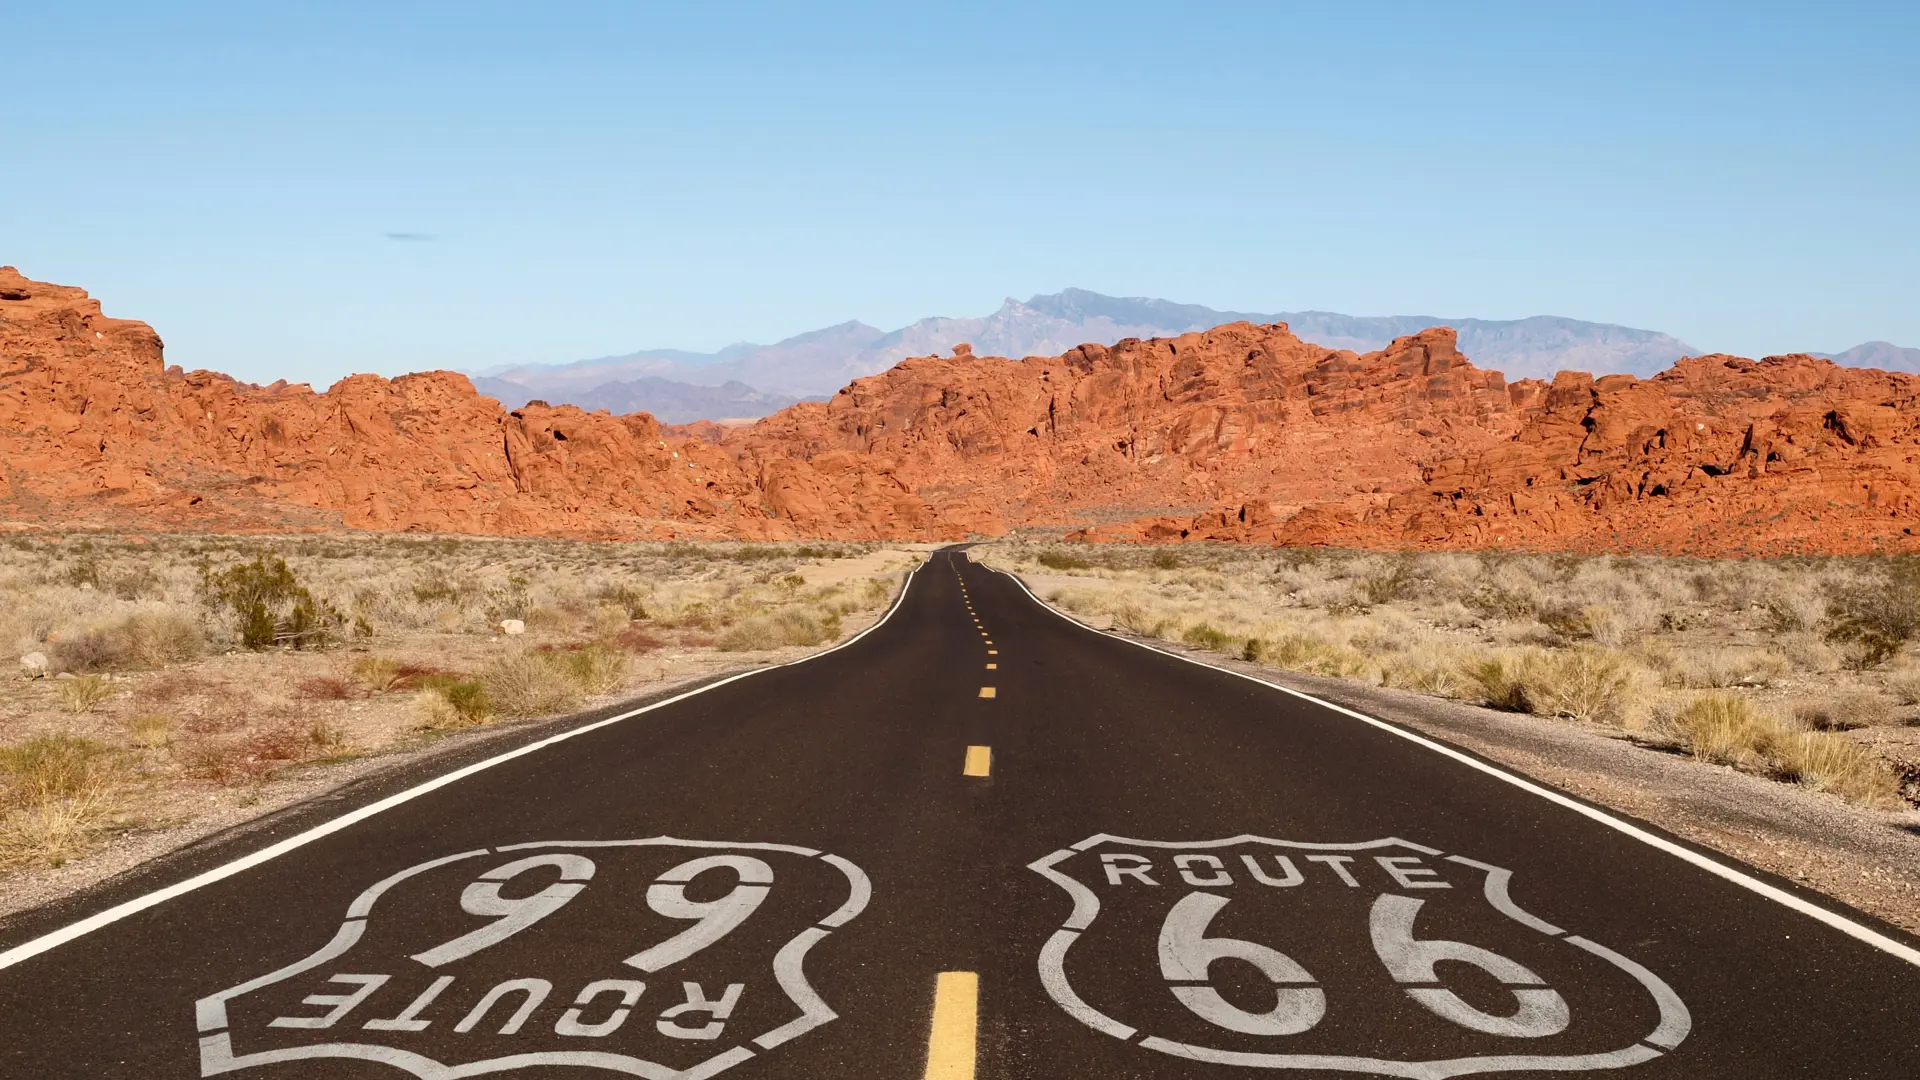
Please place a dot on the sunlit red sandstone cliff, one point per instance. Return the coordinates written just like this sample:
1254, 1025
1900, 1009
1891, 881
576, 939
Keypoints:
1240, 433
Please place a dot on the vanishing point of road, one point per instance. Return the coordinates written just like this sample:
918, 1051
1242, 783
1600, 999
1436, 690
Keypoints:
976, 840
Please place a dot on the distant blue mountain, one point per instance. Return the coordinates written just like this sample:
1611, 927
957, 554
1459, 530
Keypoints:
818, 363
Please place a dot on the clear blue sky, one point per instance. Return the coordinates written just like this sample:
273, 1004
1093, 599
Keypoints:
593, 178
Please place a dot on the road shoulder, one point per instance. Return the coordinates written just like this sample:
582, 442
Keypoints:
1866, 859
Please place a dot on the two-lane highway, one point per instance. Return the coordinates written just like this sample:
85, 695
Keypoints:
978, 841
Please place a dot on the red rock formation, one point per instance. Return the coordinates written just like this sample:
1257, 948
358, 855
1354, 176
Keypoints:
1284, 441
1717, 455
95, 431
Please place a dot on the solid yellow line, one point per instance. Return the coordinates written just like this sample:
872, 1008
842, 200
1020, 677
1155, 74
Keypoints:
979, 761
956, 1011
986, 691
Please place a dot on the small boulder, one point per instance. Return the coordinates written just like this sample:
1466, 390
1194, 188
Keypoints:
963, 349
34, 665
511, 627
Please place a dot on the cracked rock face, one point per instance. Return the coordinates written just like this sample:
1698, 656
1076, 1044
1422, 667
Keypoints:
1241, 433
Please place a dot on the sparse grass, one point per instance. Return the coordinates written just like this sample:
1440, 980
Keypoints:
1621, 641
378, 674
150, 730
1847, 769
1846, 711
56, 795
530, 684
140, 641
202, 643
1729, 730
84, 693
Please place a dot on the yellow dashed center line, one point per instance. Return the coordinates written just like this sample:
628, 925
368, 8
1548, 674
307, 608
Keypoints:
986, 691
993, 652
979, 761
956, 1011
992, 667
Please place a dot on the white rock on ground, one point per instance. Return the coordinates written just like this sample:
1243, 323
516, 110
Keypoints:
512, 626
34, 665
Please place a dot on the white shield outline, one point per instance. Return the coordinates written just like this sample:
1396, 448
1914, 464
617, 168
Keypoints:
1674, 1024
216, 1044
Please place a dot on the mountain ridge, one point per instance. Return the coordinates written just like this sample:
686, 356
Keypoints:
1288, 442
818, 362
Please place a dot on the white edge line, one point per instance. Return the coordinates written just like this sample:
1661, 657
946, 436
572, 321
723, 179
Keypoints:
1852, 929
36, 946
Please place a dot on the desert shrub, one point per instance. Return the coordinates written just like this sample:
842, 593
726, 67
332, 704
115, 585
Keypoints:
529, 684
1500, 680
1844, 712
1904, 684
470, 701
1314, 655
327, 740
1716, 668
1809, 652
1427, 670
97, 649
451, 705
436, 712
150, 730
1063, 560
1134, 619
1838, 765
1726, 729
1873, 620
147, 639
84, 693
1729, 730
377, 673
1206, 636
158, 638
270, 607
1165, 559
786, 627
1603, 624
57, 795
1794, 608
55, 766
1585, 683
433, 587
1392, 584
596, 668
510, 600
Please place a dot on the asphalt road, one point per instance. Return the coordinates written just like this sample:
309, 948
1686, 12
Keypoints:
1165, 871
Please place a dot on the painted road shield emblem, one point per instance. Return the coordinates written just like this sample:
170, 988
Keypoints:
1383, 957
654, 958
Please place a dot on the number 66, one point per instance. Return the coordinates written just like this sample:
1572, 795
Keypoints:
1186, 954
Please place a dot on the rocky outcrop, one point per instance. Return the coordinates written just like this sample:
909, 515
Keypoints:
95, 431
1242, 432
1718, 455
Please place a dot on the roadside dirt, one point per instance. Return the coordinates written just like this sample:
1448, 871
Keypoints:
665, 671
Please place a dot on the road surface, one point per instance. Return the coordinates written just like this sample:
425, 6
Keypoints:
979, 840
